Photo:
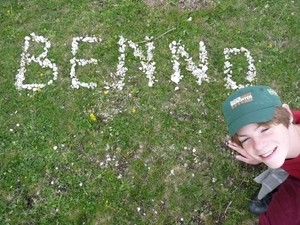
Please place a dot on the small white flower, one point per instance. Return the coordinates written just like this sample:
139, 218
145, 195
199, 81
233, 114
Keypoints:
54, 148
80, 184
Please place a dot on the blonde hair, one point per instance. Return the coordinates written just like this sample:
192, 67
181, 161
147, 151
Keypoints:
281, 116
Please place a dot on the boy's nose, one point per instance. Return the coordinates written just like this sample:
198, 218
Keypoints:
259, 143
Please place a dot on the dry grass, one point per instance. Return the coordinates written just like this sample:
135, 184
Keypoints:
189, 5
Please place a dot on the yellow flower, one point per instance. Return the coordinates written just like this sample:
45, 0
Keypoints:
133, 110
92, 117
8, 11
270, 45
41, 74
38, 89
105, 92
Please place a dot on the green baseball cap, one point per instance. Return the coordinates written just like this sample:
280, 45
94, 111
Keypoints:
252, 104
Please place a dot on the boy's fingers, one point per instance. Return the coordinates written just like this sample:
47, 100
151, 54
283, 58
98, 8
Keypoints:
242, 159
248, 160
238, 149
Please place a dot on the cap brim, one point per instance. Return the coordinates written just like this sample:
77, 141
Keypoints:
259, 116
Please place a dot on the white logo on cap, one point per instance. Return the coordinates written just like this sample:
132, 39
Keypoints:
241, 100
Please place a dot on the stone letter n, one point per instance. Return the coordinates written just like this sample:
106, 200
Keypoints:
199, 72
148, 65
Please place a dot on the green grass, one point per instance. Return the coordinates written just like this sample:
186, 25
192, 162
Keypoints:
143, 160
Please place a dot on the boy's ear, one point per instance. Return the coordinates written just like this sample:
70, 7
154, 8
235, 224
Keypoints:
286, 106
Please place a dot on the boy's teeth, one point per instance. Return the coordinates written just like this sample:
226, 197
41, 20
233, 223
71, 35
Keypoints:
267, 154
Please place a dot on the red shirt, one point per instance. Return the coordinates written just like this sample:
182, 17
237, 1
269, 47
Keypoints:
284, 208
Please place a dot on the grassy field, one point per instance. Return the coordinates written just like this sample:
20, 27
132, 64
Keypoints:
152, 151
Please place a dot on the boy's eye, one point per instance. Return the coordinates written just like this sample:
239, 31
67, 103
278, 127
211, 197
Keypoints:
265, 129
242, 141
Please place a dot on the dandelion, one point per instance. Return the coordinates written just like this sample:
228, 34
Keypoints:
41, 74
38, 89
105, 92
133, 110
270, 45
92, 117
8, 11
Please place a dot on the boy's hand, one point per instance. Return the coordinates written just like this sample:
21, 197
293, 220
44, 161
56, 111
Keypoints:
243, 157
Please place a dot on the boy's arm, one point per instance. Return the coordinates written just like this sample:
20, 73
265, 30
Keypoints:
243, 157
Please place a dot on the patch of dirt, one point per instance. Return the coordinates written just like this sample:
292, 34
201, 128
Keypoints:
189, 5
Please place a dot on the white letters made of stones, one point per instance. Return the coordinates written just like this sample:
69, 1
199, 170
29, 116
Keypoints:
198, 70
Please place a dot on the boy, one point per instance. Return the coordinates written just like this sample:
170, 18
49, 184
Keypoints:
263, 127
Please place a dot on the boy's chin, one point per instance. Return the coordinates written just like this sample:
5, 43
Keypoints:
274, 165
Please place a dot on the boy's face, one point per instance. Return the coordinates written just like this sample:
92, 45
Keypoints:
269, 145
